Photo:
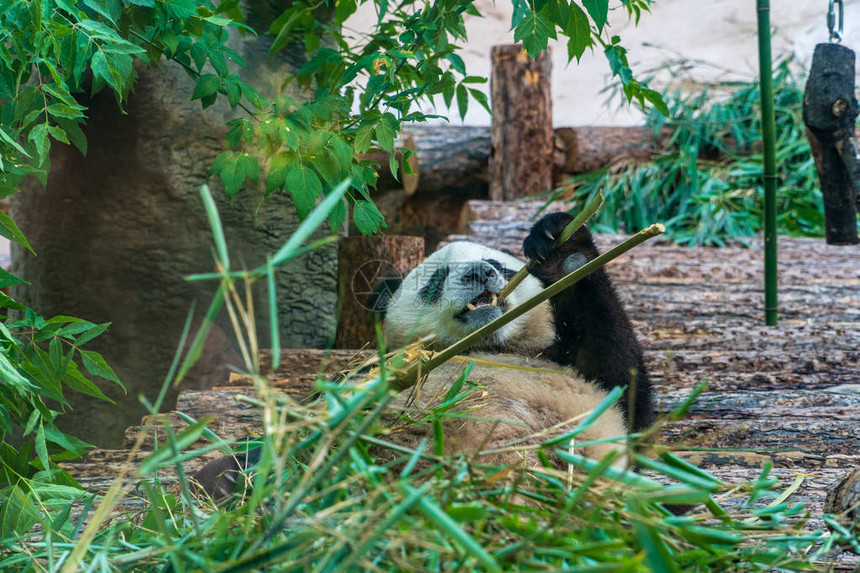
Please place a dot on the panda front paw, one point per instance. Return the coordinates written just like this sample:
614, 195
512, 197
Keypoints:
573, 262
543, 237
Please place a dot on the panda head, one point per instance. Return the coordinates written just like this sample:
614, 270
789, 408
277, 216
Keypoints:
454, 292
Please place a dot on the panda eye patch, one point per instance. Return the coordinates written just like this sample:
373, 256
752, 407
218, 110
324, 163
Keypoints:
431, 292
505, 271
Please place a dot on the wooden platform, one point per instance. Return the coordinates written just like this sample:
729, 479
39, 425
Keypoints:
788, 394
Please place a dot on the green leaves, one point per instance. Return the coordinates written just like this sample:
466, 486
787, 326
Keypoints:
599, 12
304, 185
706, 183
583, 25
53, 51
578, 31
367, 217
386, 131
534, 32
632, 88
37, 366
10, 230
233, 168
206, 89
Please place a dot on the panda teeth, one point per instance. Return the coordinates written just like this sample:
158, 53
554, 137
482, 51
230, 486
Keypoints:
471, 306
494, 301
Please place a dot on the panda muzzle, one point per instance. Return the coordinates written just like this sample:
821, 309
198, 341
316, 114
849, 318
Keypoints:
485, 298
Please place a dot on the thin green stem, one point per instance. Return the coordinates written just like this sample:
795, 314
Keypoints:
769, 170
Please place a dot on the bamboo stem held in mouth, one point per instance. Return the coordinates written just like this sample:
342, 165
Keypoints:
567, 233
408, 377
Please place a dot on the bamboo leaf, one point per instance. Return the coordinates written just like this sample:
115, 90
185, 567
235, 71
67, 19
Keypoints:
164, 455
215, 225
445, 523
311, 223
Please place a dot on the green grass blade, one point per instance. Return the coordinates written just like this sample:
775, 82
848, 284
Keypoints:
598, 411
445, 523
196, 349
274, 328
215, 225
310, 224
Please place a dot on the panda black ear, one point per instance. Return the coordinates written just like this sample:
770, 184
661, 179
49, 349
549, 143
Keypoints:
383, 294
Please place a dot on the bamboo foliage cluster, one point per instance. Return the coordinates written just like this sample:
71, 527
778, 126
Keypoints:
706, 182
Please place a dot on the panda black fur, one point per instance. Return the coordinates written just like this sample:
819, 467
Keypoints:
593, 333
567, 353
584, 327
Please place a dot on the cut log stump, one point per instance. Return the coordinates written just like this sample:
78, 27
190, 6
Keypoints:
522, 155
362, 263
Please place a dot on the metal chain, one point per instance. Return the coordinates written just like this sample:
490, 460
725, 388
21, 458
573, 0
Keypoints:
835, 34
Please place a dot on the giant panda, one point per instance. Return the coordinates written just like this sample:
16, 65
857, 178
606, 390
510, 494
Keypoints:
566, 353
454, 292
544, 370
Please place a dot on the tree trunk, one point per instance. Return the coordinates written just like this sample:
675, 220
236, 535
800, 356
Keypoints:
117, 231
590, 148
362, 263
522, 154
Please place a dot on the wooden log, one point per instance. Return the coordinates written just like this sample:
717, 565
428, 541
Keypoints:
453, 159
504, 225
590, 148
362, 263
829, 112
843, 499
522, 155
433, 215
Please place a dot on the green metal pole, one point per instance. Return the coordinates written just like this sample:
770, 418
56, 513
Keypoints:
769, 148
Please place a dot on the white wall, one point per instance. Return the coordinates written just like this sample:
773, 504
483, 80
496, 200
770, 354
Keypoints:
723, 32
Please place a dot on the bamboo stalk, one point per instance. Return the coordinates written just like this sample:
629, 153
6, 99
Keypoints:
567, 233
408, 377
769, 148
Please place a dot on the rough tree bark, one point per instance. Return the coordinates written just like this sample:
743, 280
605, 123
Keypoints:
362, 263
522, 154
117, 231
829, 112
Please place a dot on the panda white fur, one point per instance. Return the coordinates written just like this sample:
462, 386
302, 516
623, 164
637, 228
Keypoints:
454, 292
521, 401
434, 299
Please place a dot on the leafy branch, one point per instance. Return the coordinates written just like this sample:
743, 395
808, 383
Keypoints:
366, 85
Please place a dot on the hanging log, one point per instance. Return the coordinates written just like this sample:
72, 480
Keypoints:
362, 263
522, 155
829, 112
